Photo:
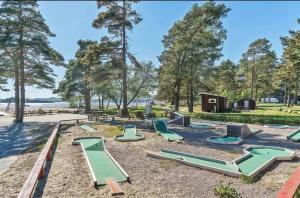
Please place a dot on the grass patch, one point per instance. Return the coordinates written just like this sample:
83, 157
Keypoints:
297, 194
249, 118
109, 131
226, 191
246, 179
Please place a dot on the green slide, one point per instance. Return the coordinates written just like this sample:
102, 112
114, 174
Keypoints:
295, 136
101, 164
161, 127
129, 134
87, 127
253, 162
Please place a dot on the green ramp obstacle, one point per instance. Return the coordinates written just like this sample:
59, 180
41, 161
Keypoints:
101, 164
129, 134
255, 160
88, 127
161, 128
294, 136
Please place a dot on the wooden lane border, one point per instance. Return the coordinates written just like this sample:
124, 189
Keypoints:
290, 187
37, 171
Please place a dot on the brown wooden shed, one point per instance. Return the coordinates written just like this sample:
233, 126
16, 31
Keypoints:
213, 102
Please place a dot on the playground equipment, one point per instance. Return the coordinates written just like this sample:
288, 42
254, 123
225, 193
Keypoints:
294, 136
161, 128
277, 126
104, 169
255, 160
179, 119
236, 133
87, 127
129, 134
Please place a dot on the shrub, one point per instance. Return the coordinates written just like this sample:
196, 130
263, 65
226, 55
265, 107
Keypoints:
246, 179
226, 191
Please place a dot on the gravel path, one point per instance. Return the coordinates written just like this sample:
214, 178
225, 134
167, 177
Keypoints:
150, 177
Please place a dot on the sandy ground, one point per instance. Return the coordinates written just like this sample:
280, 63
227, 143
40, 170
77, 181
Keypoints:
68, 174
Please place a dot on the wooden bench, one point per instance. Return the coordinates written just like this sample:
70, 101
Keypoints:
37, 171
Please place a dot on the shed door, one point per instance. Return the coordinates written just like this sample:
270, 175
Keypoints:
246, 104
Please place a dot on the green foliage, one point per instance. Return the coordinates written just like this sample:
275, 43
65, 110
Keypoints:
246, 179
249, 118
226, 191
190, 49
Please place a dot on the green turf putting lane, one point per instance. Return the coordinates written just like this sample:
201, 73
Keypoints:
102, 165
255, 160
225, 140
87, 128
161, 127
199, 160
129, 134
294, 136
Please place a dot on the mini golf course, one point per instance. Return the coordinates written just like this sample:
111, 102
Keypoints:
294, 136
277, 126
87, 127
225, 140
102, 165
202, 126
255, 160
129, 134
161, 128
235, 135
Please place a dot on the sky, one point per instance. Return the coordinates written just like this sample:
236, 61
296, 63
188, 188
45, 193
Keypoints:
246, 22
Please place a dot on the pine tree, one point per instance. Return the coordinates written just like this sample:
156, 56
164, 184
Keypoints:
119, 17
26, 42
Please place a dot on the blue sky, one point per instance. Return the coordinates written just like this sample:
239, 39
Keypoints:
247, 21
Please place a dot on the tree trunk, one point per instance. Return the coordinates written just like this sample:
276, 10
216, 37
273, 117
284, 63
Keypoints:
107, 106
22, 78
99, 102
177, 95
289, 95
87, 98
296, 90
125, 110
102, 102
191, 91
17, 93
252, 78
285, 94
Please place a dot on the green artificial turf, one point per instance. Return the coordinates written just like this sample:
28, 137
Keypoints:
165, 132
102, 165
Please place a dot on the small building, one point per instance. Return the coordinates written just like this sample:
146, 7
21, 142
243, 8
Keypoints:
213, 102
245, 104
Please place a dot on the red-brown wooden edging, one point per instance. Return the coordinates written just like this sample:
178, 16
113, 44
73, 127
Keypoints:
37, 171
289, 189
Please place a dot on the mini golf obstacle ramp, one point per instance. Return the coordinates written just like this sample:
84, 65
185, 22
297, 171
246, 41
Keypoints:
277, 126
294, 136
104, 169
129, 134
87, 127
161, 128
255, 160
235, 134
179, 119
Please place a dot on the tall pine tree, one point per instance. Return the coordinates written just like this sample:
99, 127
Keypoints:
119, 17
26, 42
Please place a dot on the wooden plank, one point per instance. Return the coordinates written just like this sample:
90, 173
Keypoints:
37, 171
290, 187
114, 187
